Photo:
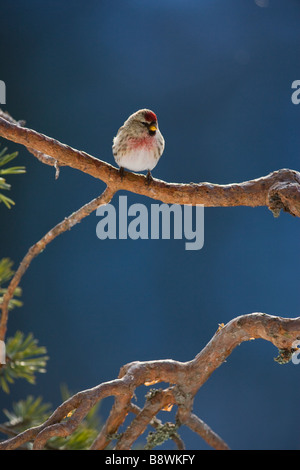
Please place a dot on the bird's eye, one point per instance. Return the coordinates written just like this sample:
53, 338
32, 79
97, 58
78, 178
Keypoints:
145, 123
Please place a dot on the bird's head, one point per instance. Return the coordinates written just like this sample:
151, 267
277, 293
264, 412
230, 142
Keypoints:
144, 121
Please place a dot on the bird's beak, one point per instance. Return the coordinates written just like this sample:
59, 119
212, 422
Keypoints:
152, 128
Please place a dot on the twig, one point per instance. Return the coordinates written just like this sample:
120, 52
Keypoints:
157, 424
46, 159
208, 435
159, 400
38, 247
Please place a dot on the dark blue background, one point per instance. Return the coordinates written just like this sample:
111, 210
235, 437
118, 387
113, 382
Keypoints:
218, 74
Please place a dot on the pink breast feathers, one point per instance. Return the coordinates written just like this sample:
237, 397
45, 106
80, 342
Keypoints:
146, 142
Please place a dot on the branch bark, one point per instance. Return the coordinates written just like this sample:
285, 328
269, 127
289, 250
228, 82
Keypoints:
38, 247
278, 190
184, 379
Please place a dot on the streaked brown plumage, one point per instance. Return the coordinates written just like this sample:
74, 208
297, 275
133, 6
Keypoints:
139, 143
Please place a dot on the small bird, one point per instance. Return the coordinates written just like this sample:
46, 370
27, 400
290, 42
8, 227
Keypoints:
139, 144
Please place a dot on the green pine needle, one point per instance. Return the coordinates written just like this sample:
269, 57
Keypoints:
6, 158
6, 273
14, 170
31, 411
24, 359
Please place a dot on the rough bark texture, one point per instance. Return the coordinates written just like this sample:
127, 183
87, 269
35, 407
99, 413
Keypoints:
184, 379
278, 190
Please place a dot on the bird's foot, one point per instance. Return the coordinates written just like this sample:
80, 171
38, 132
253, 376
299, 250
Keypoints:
121, 172
149, 177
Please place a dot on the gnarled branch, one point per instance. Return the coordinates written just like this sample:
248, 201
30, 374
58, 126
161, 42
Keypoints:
184, 378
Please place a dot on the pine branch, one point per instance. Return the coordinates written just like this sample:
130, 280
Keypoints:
185, 379
24, 358
278, 190
33, 411
4, 160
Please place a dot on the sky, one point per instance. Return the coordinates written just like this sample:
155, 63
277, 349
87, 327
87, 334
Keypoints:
219, 77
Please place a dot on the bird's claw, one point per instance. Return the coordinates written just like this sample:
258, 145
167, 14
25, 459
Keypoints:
121, 172
149, 177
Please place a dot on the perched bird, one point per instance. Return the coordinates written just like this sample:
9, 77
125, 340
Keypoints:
139, 144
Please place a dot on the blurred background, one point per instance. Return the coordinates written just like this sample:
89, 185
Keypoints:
218, 75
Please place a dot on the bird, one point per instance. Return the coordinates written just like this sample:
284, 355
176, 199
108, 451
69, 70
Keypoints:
139, 143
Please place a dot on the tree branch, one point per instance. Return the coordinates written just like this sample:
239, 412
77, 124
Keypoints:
157, 424
185, 379
278, 190
38, 247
